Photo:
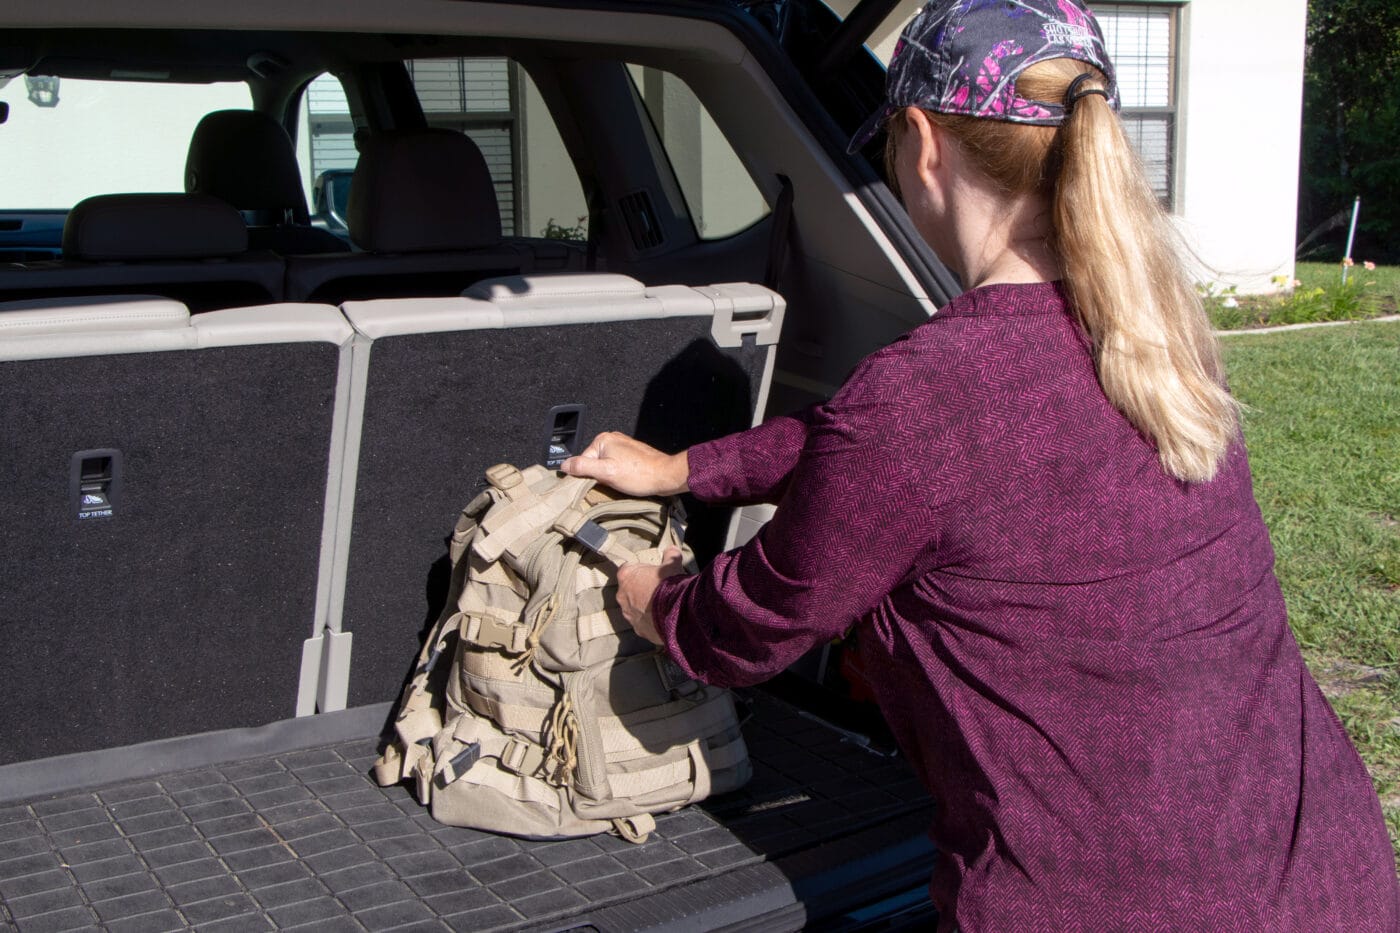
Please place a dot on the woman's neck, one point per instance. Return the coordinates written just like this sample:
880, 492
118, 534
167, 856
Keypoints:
1000, 240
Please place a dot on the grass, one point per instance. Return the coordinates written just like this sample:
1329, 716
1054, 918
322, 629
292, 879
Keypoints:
1385, 280
1318, 295
1323, 426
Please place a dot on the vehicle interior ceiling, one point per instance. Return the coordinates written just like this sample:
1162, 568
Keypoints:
846, 284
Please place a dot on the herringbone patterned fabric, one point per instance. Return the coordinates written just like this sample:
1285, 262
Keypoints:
1088, 661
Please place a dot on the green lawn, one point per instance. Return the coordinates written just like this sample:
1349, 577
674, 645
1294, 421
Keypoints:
1322, 422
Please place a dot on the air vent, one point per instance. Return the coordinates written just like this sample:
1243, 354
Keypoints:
641, 220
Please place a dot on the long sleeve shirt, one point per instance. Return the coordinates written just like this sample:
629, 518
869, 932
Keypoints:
1087, 661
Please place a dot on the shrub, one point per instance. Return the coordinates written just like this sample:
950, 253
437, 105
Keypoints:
1333, 298
554, 231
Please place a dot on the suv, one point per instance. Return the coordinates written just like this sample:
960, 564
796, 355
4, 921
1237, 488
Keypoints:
241, 422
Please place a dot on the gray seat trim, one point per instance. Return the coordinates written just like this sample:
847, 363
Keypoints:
61, 327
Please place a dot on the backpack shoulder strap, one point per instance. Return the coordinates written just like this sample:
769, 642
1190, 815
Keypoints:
419, 714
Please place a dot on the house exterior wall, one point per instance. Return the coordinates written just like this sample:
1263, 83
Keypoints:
1239, 120
102, 138
1241, 99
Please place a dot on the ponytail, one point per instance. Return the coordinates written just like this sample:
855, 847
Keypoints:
1122, 264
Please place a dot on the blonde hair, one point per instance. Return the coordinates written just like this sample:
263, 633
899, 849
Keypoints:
1122, 263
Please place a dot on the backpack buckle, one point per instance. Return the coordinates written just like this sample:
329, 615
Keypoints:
521, 757
488, 632
675, 682
574, 524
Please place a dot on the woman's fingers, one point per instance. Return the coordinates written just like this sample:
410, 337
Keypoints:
672, 563
636, 585
629, 466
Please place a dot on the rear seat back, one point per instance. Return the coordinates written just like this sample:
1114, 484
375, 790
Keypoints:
448, 387
423, 210
166, 508
191, 248
245, 158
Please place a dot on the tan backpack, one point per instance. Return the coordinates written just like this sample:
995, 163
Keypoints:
557, 719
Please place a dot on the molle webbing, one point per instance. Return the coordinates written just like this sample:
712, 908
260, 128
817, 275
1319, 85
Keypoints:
557, 719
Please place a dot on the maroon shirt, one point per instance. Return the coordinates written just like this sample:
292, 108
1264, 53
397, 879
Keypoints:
1087, 661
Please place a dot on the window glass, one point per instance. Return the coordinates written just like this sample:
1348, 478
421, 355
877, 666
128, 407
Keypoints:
326, 142
68, 139
882, 40
1140, 41
718, 190
326, 132
494, 102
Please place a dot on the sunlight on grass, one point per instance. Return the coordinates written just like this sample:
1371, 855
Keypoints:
1322, 422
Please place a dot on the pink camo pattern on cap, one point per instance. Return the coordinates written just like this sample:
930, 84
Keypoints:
963, 57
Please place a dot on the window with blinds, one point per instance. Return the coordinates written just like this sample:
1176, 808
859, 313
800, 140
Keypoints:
478, 97
1142, 43
332, 132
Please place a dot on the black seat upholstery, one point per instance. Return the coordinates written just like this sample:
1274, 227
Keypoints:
423, 209
245, 158
189, 247
197, 570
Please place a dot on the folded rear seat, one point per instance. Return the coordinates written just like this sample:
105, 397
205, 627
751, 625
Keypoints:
191, 248
423, 211
166, 508
445, 388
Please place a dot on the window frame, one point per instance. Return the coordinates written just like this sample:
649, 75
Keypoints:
1172, 111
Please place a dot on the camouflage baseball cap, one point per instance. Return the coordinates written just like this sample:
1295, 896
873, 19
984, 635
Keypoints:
963, 57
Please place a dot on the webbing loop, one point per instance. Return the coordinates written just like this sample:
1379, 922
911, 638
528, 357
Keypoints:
508, 480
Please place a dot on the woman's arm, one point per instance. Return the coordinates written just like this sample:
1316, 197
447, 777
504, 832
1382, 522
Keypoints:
751, 466
855, 519
865, 498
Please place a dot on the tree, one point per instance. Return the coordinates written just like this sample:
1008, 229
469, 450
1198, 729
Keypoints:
1351, 122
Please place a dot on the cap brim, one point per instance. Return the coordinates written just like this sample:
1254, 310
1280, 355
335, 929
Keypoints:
868, 129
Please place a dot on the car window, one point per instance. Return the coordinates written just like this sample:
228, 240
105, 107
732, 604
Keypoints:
68, 139
718, 190
491, 100
882, 39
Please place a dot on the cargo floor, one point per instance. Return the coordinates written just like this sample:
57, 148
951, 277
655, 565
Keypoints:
305, 839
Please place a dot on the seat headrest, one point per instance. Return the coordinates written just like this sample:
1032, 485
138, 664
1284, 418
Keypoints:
420, 191
246, 158
122, 227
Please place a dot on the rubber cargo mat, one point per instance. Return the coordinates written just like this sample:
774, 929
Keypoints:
306, 840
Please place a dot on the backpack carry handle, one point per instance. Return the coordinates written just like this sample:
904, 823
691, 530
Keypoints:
576, 524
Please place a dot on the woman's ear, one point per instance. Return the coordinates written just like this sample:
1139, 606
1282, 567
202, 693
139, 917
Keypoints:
925, 142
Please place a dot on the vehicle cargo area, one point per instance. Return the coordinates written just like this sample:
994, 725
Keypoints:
306, 839
279, 283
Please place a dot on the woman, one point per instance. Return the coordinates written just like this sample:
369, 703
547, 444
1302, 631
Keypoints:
1036, 512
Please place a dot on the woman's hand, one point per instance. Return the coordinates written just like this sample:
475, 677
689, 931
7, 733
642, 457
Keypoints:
636, 585
631, 467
